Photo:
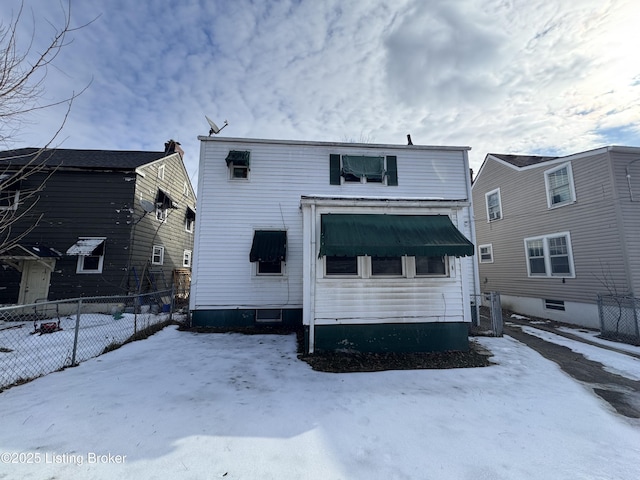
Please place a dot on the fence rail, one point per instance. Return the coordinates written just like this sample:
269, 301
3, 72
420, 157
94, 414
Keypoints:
43, 337
619, 318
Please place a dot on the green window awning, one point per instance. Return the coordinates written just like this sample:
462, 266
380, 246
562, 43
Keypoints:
348, 235
238, 158
268, 246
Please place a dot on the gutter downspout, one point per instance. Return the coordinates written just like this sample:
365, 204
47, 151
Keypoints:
312, 280
472, 227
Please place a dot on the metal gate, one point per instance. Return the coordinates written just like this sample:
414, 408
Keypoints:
486, 311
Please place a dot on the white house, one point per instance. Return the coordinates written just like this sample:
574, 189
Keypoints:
369, 246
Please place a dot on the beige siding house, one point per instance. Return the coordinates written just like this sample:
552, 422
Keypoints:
370, 247
554, 232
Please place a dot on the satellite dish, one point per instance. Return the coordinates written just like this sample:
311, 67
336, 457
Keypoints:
214, 128
147, 206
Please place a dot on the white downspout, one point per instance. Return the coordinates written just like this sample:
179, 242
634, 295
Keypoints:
312, 281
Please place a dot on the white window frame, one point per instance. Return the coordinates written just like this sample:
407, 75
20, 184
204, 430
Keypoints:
358, 274
572, 191
162, 214
189, 224
547, 256
270, 274
238, 179
80, 265
185, 190
157, 251
486, 200
186, 258
403, 263
161, 172
489, 247
383, 181
447, 270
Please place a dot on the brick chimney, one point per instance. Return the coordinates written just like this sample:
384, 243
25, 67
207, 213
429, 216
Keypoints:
172, 147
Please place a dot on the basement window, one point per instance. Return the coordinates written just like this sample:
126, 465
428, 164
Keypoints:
269, 316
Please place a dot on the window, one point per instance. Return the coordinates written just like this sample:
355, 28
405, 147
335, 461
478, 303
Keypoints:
157, 256
270, 268
189, 220
269, 316
340, 266
431, 266
90, 252
9, 192
186, 258
559, 185
161, 214
363, 169
185, 189
486, 253
161, 172
387, 266
238, 163
494, 205
549, 256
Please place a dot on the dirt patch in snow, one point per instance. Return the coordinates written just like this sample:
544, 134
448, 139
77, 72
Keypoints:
343, 362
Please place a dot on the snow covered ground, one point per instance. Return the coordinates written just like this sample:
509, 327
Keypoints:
182, 405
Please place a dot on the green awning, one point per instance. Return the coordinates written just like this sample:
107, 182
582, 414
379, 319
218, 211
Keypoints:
268, 246
238, 158
348, 235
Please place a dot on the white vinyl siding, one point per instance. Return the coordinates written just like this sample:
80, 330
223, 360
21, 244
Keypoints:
550, 256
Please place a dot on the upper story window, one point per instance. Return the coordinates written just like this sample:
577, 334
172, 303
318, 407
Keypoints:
161, 172
9, 192
189, 220
494, 205
550, 256
363, 169
239, 164
186, 258
559, 184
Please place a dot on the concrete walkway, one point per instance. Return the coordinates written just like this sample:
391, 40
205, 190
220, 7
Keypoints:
622, 393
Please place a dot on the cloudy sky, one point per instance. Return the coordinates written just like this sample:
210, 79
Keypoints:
504, 76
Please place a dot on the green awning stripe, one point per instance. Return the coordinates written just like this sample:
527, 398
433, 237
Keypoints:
347, 235
268, 246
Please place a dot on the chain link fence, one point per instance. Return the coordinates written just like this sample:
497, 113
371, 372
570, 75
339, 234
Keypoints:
44, 337
619, 318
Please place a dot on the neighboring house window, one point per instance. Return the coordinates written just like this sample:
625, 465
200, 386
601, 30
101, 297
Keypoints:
161, 172
363, 169
189, 220
340, 266
90, 252
9, 192
554, 304
186, 258
185, 189
157, 256
431, 266
486, 253
550, 256
386, 266
161, 214
494, 205
239, 164
559, 184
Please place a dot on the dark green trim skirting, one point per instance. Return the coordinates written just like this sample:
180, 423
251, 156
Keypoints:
241, 318
391, 337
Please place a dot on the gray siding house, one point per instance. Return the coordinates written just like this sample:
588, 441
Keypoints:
368, 246
106, 223
554, 232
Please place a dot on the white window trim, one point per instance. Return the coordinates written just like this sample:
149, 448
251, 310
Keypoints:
384, 181
412, 268
359, 267
161, 172
185, 190
486, 201
403, 260
490, 247
187, 255
282, 273
160, 250
79, 264
238, 179
571, 185
188, 225
162, 214
547, 257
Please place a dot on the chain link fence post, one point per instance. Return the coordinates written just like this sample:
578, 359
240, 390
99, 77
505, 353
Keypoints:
75, 336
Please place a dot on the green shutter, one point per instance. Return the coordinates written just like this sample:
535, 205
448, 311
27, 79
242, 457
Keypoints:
334, 169
392, 170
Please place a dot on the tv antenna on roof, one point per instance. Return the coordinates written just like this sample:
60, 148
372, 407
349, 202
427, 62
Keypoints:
214, 128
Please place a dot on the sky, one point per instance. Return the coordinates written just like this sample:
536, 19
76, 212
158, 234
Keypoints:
547, 77
244, 406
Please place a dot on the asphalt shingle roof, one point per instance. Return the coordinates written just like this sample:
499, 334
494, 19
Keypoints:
522, 160
91, 159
